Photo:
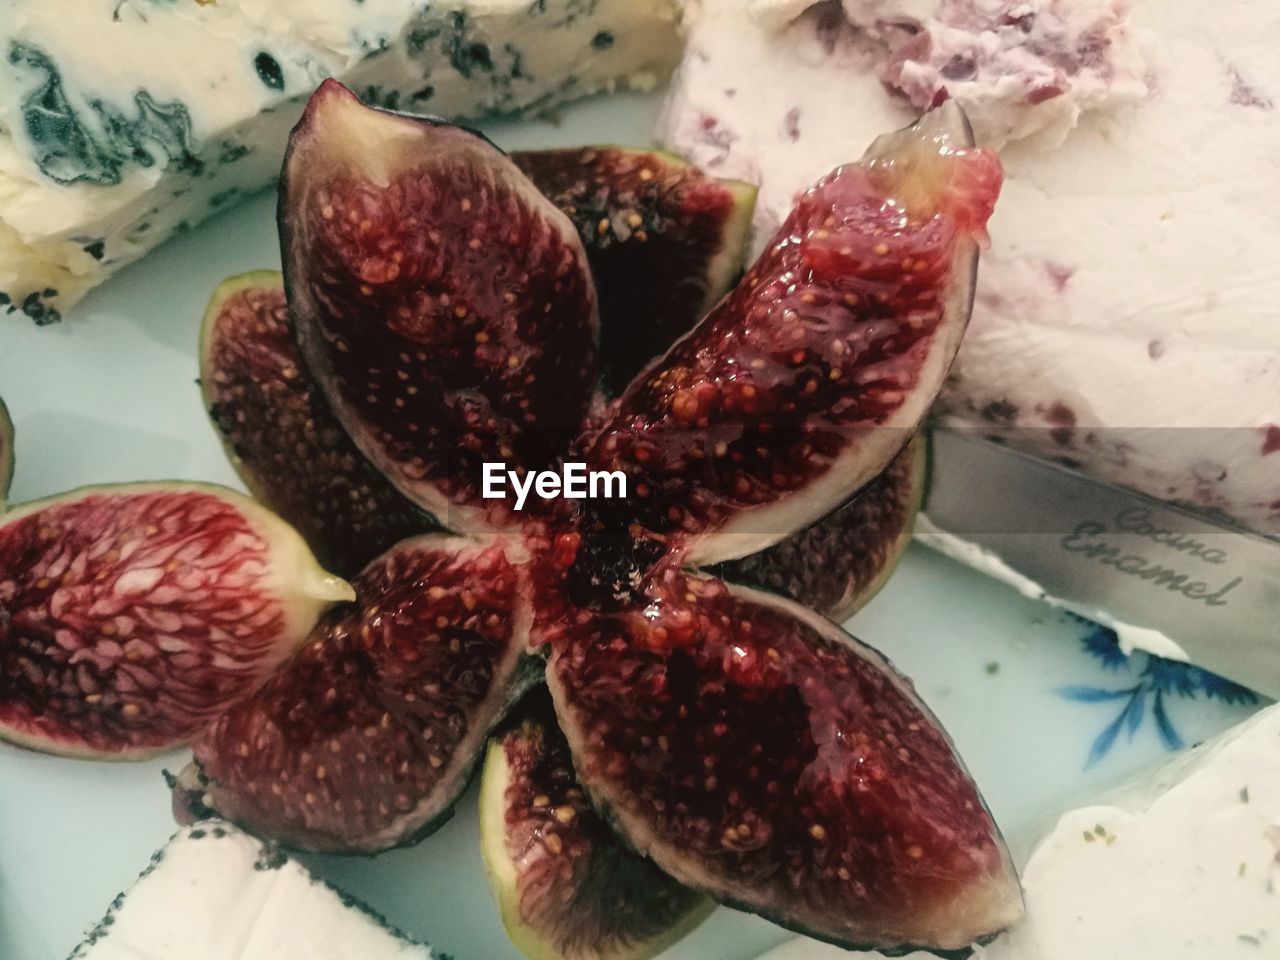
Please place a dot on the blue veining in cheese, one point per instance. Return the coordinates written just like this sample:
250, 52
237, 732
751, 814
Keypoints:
123, 122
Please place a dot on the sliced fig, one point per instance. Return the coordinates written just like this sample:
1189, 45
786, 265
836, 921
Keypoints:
281, 437
131, 616
664, 240
803, 383
757, 752
443, 304
567, 888
365, 739
839, 563
6, 453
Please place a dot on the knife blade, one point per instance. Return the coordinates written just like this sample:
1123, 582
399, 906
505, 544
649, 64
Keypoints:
1172, 581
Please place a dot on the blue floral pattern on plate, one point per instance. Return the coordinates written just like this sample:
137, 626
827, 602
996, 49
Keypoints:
1157, 681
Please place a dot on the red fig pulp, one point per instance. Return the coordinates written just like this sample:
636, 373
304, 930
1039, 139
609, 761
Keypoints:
566, 885
281, 437
757, 752
443, 304
132, 616
839, 563
803, 383
665, 243
365, 739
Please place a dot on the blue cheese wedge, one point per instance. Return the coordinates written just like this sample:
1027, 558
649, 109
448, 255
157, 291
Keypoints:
216, 893
1182, 865
123, 122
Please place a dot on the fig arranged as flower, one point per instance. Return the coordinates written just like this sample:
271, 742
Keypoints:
445, 306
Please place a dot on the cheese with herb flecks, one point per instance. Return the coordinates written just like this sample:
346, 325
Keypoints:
123, 122
216, 893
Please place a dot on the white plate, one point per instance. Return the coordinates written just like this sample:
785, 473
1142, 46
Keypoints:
110, 395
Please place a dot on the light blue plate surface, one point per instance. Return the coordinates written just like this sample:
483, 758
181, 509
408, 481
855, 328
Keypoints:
1043, 707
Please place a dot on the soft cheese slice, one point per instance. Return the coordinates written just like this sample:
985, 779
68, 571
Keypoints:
216, 893
1128, 312
1183, 865
123, 122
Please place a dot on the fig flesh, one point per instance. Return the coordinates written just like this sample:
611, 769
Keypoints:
755, 751
566, 886
364, 740
443, 304
664, 240
131, 616
6, 453
281, 437
803, 383
839, 563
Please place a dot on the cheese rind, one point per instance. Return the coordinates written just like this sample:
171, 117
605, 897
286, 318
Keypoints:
216, 893
145, 118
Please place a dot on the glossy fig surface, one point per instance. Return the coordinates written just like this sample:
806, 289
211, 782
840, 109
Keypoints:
567, 887
366, 737
443, 304
803, 383
757, 752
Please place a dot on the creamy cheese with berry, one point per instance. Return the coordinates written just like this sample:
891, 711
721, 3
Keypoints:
1126, 317
123, 122
1181, 865
216, 893
1018, 68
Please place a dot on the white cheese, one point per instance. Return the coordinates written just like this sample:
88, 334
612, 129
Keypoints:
1128, 312
1019, 69
1182, 865
216, 893
125, 121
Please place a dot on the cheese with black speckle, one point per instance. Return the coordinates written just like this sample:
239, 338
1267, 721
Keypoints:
216, 893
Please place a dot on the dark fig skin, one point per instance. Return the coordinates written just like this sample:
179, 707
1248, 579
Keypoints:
443, 304
665, 242
567, 887
838, 564
803, 383
133, 615
366, 738
282, 438
758, 753
6, 453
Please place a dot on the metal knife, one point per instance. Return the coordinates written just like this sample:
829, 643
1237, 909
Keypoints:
1158, 572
